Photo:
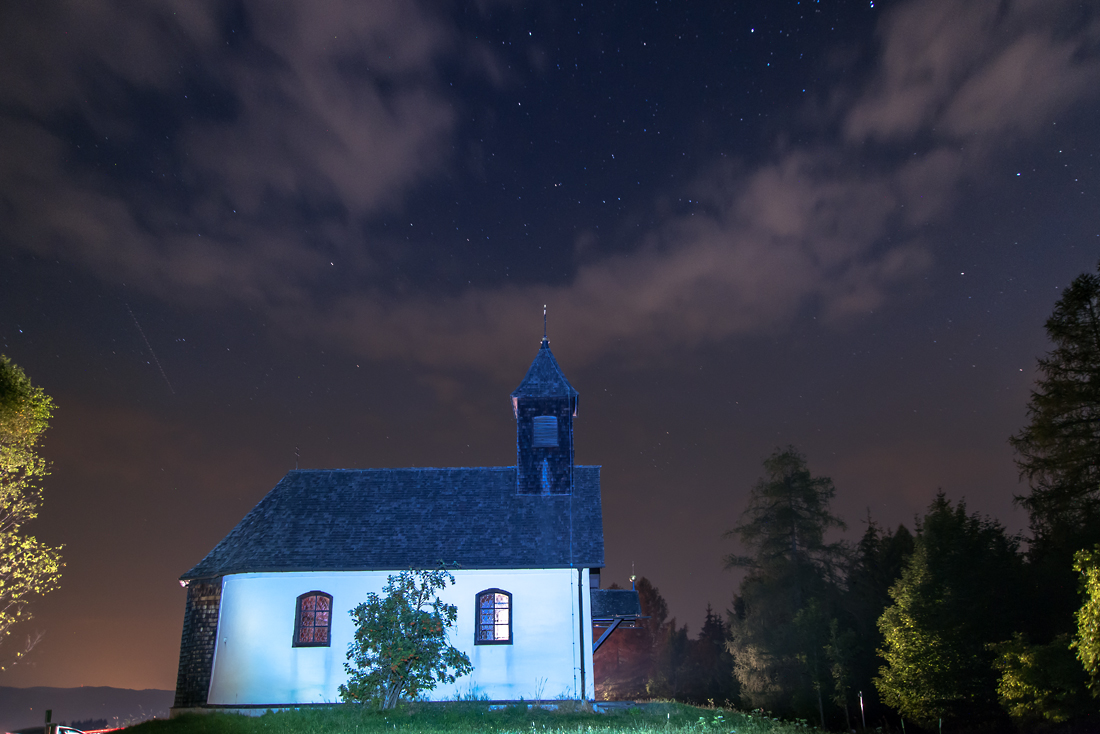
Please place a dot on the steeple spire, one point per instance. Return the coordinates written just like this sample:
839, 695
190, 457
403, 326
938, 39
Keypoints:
544, 322
544, 379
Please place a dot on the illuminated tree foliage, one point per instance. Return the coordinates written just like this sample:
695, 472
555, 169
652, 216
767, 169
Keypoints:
1059, 450
400, 646
27, 567
1087, 641
954, 598
780, 626
1040, 683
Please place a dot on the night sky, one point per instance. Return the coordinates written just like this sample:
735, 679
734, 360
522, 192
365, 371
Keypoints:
234, 231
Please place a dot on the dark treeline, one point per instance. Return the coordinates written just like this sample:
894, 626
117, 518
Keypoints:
953, 624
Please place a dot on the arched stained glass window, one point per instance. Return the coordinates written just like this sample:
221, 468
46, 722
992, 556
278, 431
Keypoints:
494, 618
313, 620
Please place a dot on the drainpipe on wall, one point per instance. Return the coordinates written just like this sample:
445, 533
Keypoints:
580, 628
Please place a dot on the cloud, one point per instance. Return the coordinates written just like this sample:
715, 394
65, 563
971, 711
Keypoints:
961, 69
339, 113
804, 229
333, 108
316, 121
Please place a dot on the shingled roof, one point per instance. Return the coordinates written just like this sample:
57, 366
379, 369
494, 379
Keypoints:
611, 603
392, 519
544, 379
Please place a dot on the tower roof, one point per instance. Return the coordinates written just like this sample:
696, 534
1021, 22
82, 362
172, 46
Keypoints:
544, 378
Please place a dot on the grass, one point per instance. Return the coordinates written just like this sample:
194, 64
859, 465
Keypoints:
657, 718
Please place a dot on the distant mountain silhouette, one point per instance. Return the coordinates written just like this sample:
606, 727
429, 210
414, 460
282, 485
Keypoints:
22, 707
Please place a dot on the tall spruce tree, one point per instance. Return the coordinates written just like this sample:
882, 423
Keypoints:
1058, 452
780, 625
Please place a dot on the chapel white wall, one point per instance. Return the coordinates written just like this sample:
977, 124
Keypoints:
256, 664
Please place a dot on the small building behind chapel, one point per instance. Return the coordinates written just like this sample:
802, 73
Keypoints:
267, 624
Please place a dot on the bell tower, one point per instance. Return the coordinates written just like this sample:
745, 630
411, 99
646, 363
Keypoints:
544, 405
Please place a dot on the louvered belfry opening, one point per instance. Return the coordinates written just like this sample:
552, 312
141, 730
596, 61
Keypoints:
545, 431
544, 405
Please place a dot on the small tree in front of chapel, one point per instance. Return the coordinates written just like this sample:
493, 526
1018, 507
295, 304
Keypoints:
400, 646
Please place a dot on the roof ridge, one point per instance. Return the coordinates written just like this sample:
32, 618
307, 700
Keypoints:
406, 468
424, 468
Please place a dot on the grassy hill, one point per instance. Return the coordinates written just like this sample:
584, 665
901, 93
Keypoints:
665, 718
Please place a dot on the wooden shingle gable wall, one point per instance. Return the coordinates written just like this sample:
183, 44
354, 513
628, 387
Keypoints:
200, 637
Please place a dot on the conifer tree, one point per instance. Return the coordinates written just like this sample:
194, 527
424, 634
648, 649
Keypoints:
711, 665
779, 656
1058, 452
